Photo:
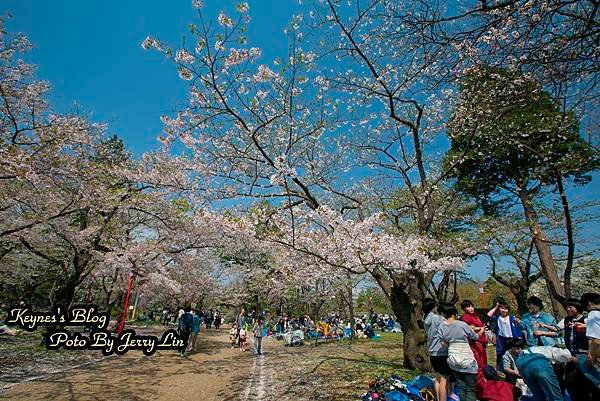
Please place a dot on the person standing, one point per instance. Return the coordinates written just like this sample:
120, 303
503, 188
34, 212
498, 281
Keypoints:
590, 365
257, 331
477, 346
195, 331
185, 327
573, 326
217, 320
456, 335
506, 327
208, 318
233, 335
165, 317
241, 321
438, 354
540, 327
179, 314
243, 335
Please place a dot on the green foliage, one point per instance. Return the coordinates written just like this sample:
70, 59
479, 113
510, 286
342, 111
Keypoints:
182, 204
111, 151
511, 134
374, 298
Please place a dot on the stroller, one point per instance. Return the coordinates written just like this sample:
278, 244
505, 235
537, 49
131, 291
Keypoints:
293, 338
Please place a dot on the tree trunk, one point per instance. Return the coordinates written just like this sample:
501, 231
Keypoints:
557, 292
521, 297
63, 291
407, 304
570, 239
350, 299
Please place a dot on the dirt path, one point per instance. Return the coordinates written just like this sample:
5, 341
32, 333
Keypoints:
215, 372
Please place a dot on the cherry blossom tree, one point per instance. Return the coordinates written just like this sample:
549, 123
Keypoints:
367, 89
295, 133
69, 195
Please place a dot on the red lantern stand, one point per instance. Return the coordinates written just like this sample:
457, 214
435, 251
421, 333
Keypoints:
125, 304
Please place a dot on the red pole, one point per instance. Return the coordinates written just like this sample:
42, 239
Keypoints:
125, 304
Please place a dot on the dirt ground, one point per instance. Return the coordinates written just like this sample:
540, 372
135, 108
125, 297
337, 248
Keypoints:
330, 371
208, 374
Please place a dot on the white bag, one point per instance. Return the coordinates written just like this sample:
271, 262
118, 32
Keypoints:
461, 358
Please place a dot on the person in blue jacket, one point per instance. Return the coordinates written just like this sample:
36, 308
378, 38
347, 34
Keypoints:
540, 327
506, 327
195, 331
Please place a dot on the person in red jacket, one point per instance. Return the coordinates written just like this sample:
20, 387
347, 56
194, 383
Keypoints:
491, 388
477, 346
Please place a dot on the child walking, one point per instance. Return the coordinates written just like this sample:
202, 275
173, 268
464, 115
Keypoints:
233, 335
243, 336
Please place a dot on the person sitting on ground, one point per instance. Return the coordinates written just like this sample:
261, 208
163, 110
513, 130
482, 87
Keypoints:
509, 360
491, 388
280, 327
348, 330
390, 324
369, 332
540, 327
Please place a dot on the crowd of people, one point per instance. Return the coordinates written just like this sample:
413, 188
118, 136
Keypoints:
536, 356
539, 357
209, 318
189, 322
285, 328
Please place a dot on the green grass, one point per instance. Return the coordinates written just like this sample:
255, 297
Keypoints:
346, 367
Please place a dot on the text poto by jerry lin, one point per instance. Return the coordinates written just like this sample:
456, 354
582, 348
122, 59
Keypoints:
99, 338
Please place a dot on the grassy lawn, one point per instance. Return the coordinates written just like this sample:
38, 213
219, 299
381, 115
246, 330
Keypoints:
339, 370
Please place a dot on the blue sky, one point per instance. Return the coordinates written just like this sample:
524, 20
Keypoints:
90, 53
